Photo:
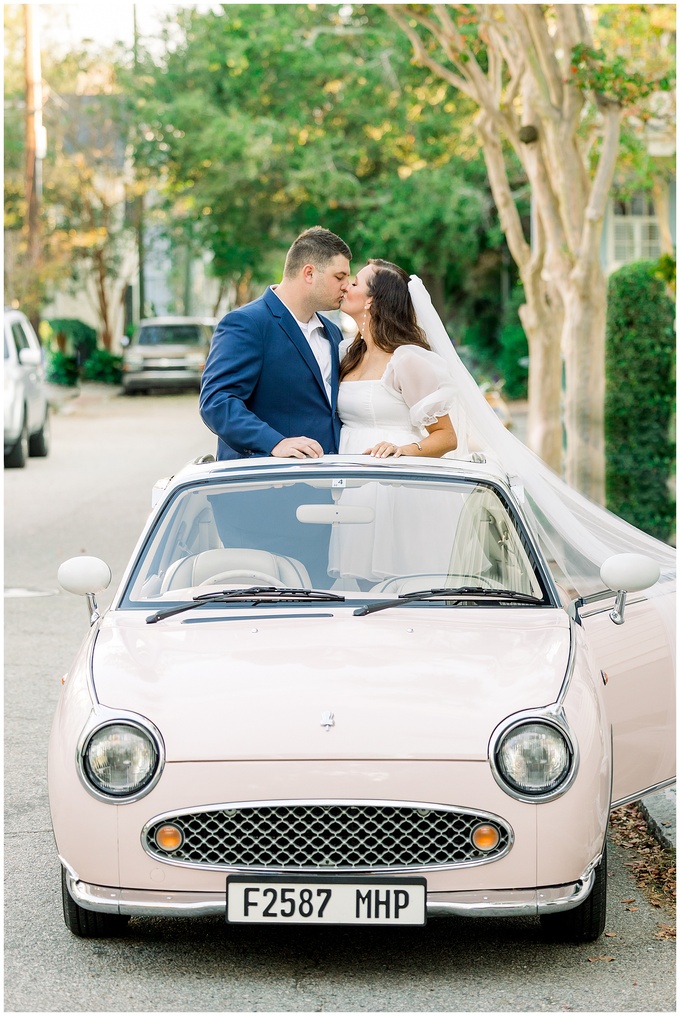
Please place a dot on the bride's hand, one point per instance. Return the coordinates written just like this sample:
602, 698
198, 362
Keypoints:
384, 449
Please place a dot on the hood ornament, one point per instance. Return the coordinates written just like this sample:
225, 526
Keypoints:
327, 720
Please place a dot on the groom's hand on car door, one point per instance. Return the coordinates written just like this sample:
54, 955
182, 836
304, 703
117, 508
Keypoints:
297, 448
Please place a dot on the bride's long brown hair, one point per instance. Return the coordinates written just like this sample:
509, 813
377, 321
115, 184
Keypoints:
393, 319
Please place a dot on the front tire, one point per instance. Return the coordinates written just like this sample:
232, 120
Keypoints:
39, 443
17, 457
586, 922
89, 923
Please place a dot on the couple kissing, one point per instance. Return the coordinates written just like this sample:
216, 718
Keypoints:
275, 382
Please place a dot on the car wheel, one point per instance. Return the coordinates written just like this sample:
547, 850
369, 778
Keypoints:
89, 923
17, 457
586, 922
39, 443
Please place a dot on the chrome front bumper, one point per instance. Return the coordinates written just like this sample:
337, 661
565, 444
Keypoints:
180, 378
494, 903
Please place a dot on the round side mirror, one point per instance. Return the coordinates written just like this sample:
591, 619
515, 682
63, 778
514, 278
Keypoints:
124, 341
630, 572
83, 575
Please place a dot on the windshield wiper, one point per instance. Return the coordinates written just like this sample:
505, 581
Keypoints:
254, 594
460, 592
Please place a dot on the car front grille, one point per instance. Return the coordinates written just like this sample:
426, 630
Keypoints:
343, 836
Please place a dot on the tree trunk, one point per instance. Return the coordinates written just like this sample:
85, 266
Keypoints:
544, 427
220, 294
583, 340
103, 299
33, 122
243, 288
541, 318
435, 287
663, 214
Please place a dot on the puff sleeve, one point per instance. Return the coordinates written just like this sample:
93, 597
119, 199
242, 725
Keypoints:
423, 380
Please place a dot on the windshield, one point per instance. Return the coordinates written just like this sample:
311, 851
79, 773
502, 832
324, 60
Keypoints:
179, 334
359, 536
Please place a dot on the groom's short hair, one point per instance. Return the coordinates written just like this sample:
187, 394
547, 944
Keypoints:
316, 246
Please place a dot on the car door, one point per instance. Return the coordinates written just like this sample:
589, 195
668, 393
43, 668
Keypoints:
29, 357
637, 663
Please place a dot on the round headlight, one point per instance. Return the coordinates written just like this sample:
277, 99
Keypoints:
534, 758
120, 759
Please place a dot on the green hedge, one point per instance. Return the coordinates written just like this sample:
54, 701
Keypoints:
640, 399
100, 365
80, 339
61, 369
103, 366
513, 361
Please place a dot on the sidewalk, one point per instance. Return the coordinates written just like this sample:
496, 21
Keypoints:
64, 399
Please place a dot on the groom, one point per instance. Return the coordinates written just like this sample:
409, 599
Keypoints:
270, 382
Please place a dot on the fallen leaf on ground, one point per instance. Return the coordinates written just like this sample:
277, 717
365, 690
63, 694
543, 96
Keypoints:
665, 932
601, 959
651, 864
610, 934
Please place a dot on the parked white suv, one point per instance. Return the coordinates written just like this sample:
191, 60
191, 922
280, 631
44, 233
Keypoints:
27, 426
167, 352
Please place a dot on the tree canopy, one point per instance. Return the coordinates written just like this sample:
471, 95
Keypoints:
265, 119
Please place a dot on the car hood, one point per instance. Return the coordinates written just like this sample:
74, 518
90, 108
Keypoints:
400, 683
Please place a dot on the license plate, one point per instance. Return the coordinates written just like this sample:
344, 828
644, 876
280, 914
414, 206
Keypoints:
300, 899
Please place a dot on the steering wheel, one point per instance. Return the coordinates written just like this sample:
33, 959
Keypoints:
243, 575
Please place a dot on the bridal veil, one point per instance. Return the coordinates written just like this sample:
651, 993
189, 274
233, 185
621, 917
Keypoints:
576, 534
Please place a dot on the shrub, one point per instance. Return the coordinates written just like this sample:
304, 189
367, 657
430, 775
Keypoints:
73, 336
513, 360
640, 398
103, 366
61, 369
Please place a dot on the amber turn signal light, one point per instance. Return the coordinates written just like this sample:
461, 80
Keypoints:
169, 837
485, 837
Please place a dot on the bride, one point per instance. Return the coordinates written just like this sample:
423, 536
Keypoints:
394, 399
395, 393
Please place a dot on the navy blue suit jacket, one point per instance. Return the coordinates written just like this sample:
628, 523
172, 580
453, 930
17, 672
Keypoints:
262, 383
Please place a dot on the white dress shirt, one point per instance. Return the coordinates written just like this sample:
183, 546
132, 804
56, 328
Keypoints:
319, 344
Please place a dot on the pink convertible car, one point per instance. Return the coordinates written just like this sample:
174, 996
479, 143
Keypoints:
348, 691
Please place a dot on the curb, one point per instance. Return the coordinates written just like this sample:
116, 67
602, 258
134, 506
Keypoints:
660, 812
65, 399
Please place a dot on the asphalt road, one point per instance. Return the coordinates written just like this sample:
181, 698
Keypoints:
92, 495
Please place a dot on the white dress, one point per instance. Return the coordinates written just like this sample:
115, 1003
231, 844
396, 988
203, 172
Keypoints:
404, 538
415, 389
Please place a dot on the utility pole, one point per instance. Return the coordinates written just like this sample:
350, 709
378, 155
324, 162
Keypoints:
140, 197
35, 146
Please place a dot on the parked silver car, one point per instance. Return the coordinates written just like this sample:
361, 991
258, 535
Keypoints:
27, 424
167, 352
